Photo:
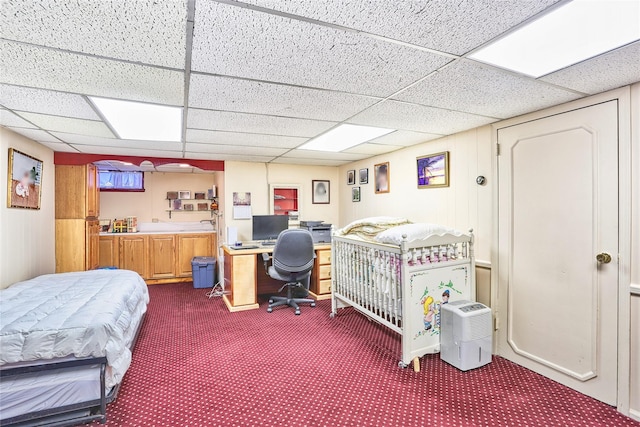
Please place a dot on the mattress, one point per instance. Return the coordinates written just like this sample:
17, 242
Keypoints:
82, 314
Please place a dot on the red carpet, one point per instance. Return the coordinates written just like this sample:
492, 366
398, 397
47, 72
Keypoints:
196, 364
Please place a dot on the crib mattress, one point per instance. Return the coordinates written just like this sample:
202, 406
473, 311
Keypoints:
81, 314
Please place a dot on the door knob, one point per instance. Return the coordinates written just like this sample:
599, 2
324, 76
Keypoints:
604, 258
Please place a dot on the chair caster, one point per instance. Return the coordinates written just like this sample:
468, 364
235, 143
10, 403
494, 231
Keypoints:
270, 301
313, 304
297, 312
269, 310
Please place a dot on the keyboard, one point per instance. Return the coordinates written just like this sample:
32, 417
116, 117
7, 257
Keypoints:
243, 247
268, 243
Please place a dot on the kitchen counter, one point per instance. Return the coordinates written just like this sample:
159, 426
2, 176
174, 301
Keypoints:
106, 233
151, 228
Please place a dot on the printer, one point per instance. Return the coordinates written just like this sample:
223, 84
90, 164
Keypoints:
321, 232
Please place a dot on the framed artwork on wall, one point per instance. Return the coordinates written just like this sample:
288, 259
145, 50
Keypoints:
381, 175
24, 181
351, 177
433, 170
321, 193
184, 194
355, 194
364, 176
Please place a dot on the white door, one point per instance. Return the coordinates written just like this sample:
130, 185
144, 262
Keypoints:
558, 210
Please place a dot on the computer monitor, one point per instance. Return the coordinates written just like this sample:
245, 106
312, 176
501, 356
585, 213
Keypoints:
268, 227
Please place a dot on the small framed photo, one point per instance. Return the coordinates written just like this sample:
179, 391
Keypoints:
321, 192
355, 194
184, 194
24, 183
177, 205
351, 177
188, 206
203, 206
381, 175
433, 170
364, 176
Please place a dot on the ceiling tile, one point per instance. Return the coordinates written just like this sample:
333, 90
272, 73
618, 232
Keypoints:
481, 89
372, 149
323, 155
114, 142
401, 115
46, 102
233, 149
144, 31
35, 134
268, 47
245, 139
25, 65
405, 138
454, 27
8, 119
609, 71
66, 124
315, 162
255, 123
60, 147
230, 157
220, 93
119, 151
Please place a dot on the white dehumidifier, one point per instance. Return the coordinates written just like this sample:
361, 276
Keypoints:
465, 334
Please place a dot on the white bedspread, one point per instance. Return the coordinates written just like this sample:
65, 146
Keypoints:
84, 314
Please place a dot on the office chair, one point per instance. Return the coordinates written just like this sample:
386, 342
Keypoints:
292, 261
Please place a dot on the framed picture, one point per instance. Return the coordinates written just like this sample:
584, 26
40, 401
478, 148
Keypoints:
351, 177
381, 174
321, 192
188, 206
184, 194
433, 170
364, 176
355, 194
177, 205
24, 181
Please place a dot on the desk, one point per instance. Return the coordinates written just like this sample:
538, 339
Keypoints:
244, 275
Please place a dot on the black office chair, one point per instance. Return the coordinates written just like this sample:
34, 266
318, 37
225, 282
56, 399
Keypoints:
292, 261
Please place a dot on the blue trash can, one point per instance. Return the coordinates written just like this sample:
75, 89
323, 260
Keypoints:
203, 269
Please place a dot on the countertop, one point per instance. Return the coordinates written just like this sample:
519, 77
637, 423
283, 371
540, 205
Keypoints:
159, 232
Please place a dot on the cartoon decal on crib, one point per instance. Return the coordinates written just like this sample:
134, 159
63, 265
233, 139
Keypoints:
431, 306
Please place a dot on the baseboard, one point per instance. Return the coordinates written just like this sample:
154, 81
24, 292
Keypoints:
634, 414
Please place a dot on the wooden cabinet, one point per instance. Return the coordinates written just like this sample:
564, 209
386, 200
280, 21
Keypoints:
192, 245
77, 243
162, 256
134, 254
109, 251
240, 280
158, 258
321, 277
77, 192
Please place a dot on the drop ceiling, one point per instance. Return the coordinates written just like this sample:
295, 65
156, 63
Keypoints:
259, 78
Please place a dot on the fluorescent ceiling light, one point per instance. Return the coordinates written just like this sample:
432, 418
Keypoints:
343, 137
571, 33
140, 121
185, 165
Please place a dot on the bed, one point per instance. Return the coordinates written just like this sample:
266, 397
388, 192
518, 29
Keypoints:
400, 274
65, 344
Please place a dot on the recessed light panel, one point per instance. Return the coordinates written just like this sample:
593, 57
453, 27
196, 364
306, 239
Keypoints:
570, 34
343, 137
136, 120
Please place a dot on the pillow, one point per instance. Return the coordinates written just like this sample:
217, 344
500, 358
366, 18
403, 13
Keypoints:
419, 231
374, 222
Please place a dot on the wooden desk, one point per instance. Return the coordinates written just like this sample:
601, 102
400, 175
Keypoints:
244, 276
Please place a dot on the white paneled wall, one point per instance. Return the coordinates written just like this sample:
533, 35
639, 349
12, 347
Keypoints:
463, 205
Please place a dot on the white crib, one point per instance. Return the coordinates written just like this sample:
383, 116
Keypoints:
403, 287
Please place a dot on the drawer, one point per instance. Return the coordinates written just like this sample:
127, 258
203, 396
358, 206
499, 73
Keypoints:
324, 272
324, 286
324, 257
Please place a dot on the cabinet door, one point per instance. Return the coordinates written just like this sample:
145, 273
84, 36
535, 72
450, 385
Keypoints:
92, 258
92, 200
108, 250
162, 256
192, 245
133, 254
